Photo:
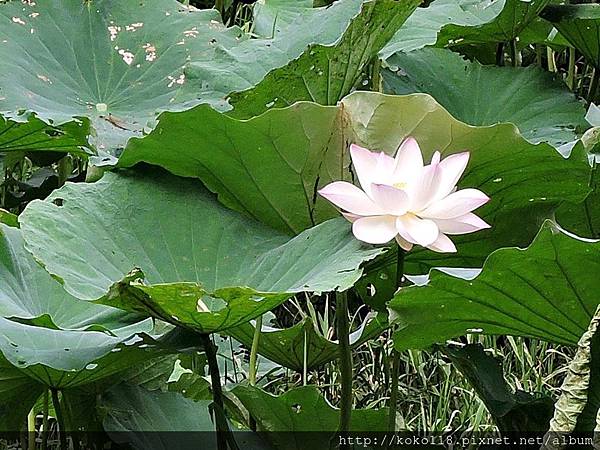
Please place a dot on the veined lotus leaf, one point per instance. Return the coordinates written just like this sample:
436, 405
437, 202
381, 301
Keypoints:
31, 134
303, 409
446, 22
270, 166
326, 74
136, 62
207, 268
537, 103
537, 292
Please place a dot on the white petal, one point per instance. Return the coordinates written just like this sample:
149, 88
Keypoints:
403, 243
350, 198
451, 169
468, 223
442, 244
456, 204
375, 229
370, 167
416, 230
409, 161
422, 191
393, 201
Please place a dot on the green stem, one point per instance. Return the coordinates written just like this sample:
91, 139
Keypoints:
218, 405
515, 54
500, 54
551, 62
572, 69
45, 407
393, 404
345, 360
60, 419
31, 430
253, 361
254, 352
593, 85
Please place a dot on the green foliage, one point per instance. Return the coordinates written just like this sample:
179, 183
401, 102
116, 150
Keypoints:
204, 136
537, 103
447, 22
252, 268
537, 292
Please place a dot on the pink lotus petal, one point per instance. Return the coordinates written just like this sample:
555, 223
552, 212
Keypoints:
416, 230
468, 223
375, 229
403, 243
408, 161
393, 201
442, 244
451, 169
350, 198
456, 204
423, 190
370, 167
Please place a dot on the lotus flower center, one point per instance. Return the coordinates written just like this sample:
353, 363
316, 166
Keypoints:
400, 185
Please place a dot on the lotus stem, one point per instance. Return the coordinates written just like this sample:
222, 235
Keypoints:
253, 362
572, 69
31, 429
515, 54
345, 360
393, 403
60, 419
593, 85
218, 405
551, 62
45, 406
254, 352
500, 54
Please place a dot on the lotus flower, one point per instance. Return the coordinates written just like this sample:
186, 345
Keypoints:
403, 199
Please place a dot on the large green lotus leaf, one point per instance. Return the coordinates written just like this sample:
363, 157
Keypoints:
325, 74
271, 17
464, 21
206, 267
132, 408
302, 410
35, 135
136, 62
577, 407
270, 166
29, 292
580, 25
539, 292
537, 103
288, 346
70, 358
18, 394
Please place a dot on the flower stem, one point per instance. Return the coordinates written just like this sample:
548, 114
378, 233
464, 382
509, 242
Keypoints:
253, 359
572, 69
218, 404
31, 429
593, 85
393, 404
345, 361
60, 419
